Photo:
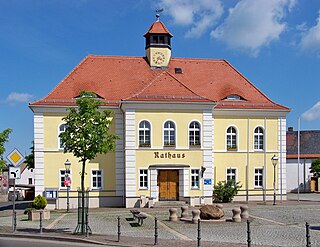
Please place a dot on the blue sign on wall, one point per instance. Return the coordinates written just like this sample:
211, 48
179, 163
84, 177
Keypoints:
208, 181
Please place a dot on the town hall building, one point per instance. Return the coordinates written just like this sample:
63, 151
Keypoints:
184, 125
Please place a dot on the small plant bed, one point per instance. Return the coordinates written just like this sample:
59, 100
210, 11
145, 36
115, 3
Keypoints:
38, 206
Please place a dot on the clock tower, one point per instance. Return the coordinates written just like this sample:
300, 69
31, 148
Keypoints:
158, 45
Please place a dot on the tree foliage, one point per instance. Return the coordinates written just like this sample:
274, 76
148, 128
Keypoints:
29, 159
4, 135
226, 191
315, 168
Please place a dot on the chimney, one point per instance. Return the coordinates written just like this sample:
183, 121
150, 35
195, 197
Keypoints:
290, 129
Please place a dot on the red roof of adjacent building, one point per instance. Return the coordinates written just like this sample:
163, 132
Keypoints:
117, 79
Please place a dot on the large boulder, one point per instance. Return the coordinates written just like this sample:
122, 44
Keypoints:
211, 212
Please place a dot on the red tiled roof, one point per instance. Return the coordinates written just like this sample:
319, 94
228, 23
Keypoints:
117, 78
157, 28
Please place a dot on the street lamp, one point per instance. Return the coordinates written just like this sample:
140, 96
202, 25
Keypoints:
274, 160
67, 165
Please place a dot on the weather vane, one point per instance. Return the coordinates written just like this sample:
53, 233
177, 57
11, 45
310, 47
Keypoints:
158, 11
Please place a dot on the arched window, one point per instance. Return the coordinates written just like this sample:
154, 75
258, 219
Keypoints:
258, 139
231, 138
194, 134
169, 134
62, 128
144, 134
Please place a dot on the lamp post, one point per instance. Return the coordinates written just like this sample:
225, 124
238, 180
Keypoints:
67, 165
274, 160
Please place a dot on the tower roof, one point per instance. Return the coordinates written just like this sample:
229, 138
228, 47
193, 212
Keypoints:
157, 28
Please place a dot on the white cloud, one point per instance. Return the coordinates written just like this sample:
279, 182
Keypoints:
313, 113
310, 41
253, 24
15, 98
199, 14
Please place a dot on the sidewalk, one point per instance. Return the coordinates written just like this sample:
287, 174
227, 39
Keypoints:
280, 225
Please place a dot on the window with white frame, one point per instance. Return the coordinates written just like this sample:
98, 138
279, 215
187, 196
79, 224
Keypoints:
144, 134
62, 128
258, 139
194, 134
231, 138
96, 179
195, 178
143, 179
258, 177
62, 178
231, 174
169, 134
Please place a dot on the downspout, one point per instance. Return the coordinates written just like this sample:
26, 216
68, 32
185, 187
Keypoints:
247, 168
264, 161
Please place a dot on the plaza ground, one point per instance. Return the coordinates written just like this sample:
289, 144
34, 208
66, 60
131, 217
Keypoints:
279, 225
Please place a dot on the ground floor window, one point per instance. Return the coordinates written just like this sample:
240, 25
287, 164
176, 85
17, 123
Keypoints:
96, 179
143, 179
62, 178
258, 177
231, 174
195, 178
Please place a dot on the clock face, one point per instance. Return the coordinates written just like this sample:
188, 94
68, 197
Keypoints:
158, 58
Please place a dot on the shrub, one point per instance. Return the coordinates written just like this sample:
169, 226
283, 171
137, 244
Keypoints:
226, 191
39, 202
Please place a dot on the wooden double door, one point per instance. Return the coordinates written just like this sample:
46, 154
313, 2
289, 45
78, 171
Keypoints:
168, 181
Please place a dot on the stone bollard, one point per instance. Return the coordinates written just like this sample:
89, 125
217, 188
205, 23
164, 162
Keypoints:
219, 206
173, 214
195, 216
236, 215
244, 212
184, 212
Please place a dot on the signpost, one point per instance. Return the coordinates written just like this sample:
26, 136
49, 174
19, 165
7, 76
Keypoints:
16, 159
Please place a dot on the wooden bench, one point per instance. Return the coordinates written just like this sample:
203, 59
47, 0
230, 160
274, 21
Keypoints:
137, 215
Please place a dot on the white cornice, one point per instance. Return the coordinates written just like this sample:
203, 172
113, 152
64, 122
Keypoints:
250, 112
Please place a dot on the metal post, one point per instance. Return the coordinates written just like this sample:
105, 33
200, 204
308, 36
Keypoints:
248, 234
41, 221
199, 233
155, 231
298, 159
87, 230
119, 230
308, 235
68, 187
14, 221
274, 184
14, 203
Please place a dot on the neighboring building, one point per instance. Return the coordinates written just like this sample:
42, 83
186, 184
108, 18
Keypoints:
184, 124
309, 150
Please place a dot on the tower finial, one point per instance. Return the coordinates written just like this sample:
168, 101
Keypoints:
158, 11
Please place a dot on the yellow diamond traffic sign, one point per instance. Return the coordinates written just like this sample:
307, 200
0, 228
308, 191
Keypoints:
15, 157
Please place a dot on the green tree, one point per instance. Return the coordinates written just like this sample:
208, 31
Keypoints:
87, 134
226, 191
315, 168
4, 135
29, 159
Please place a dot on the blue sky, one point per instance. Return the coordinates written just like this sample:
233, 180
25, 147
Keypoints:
273, 43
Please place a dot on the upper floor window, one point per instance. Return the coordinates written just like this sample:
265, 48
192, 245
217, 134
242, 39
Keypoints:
169, 134
62, 128
144, 134
231, 138
194, 134
258, 139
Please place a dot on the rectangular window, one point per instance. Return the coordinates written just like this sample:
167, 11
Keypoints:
258, 177
232, 174
96, 179
143, 179
62, 178
195, 178
30, 180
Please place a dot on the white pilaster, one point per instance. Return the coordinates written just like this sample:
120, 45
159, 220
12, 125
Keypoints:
153, 184
38, 153
130, 154
184, 182
282, 164
207, 143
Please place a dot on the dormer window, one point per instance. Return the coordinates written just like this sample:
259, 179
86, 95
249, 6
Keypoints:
233, 97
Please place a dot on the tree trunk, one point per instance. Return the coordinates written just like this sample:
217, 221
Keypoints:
82, 196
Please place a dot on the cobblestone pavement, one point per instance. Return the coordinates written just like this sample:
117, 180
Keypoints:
280, 225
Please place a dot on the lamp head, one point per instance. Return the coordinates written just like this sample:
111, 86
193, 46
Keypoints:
67, 165
274, 160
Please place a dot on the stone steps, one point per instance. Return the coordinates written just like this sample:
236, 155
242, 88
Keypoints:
163, 204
